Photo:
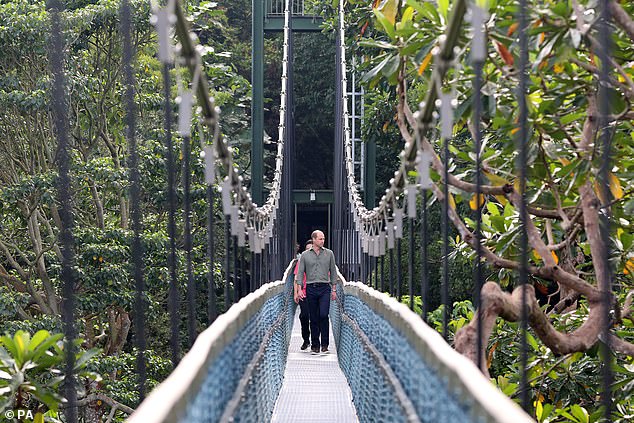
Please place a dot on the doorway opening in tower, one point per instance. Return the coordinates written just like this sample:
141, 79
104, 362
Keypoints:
310, 217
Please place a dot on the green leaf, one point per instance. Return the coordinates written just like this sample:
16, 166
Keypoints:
532, 341
9, 345
45, 345
493, 208
571, 117
385, 23
539, 409
85, 357
561, 9
407, 15
21, 340
378, 44
566, 415
498, 222
391, 66
580, 413
417, 6
544, 52
443, 8
376, 70
389, 8
426, 9
37, 339
548, 409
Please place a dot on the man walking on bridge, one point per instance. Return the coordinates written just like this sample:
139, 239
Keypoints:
318, 263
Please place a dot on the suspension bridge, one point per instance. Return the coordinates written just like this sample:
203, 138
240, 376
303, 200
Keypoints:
387, 365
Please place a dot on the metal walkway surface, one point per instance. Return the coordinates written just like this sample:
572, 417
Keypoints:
314, 388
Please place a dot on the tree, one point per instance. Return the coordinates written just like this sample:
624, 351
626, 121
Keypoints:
563, 188
30, 289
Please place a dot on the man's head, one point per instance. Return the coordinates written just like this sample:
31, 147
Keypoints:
318, 238
308, 245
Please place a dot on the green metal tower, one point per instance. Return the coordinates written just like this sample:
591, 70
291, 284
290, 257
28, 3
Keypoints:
268, 16
310, 206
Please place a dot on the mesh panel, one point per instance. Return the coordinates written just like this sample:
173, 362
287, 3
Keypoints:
224, 374
374, 397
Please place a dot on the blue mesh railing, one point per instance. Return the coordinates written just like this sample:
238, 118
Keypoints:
401, 370
235, 368
398, 368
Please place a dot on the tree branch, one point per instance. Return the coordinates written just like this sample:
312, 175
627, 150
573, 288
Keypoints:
619, 345
627, 306
12, 261
627, 90
573, 234
590, 205
11, 281
549, 272
622, 18
103, 398
496, 303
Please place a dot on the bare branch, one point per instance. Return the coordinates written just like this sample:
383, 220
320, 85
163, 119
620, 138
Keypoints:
12, 261
53, 237
496, 303
553, 189
590, 205
627, 90
573, 234
549, 272
619, 345
622, 18
11, 281
103, 398
484, 189
627, 305
566, 302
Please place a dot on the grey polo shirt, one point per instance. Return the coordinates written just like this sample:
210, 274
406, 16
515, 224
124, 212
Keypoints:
319, 268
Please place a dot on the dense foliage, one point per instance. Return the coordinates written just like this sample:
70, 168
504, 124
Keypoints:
396, 40
30, 288
565, 144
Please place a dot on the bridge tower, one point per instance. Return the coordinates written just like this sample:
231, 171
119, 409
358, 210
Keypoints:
310, 208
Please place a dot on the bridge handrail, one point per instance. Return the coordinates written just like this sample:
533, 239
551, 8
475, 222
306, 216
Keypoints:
235, 197
460, 373
168, 401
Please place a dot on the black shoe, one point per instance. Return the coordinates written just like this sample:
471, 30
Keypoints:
324, 350
314, 350
305, 345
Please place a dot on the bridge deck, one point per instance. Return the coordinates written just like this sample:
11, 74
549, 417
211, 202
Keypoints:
314, 388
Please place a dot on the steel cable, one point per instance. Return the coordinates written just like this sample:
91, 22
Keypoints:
521, 165
59, 109
136, 218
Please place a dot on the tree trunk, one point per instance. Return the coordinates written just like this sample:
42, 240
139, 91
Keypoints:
123, 212
119, 322
40, 265
98, 204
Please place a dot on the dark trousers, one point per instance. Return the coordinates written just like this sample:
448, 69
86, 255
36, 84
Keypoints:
318, 296
304, 319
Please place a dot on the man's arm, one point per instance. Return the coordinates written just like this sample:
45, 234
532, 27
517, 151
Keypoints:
333, 276
333, 270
